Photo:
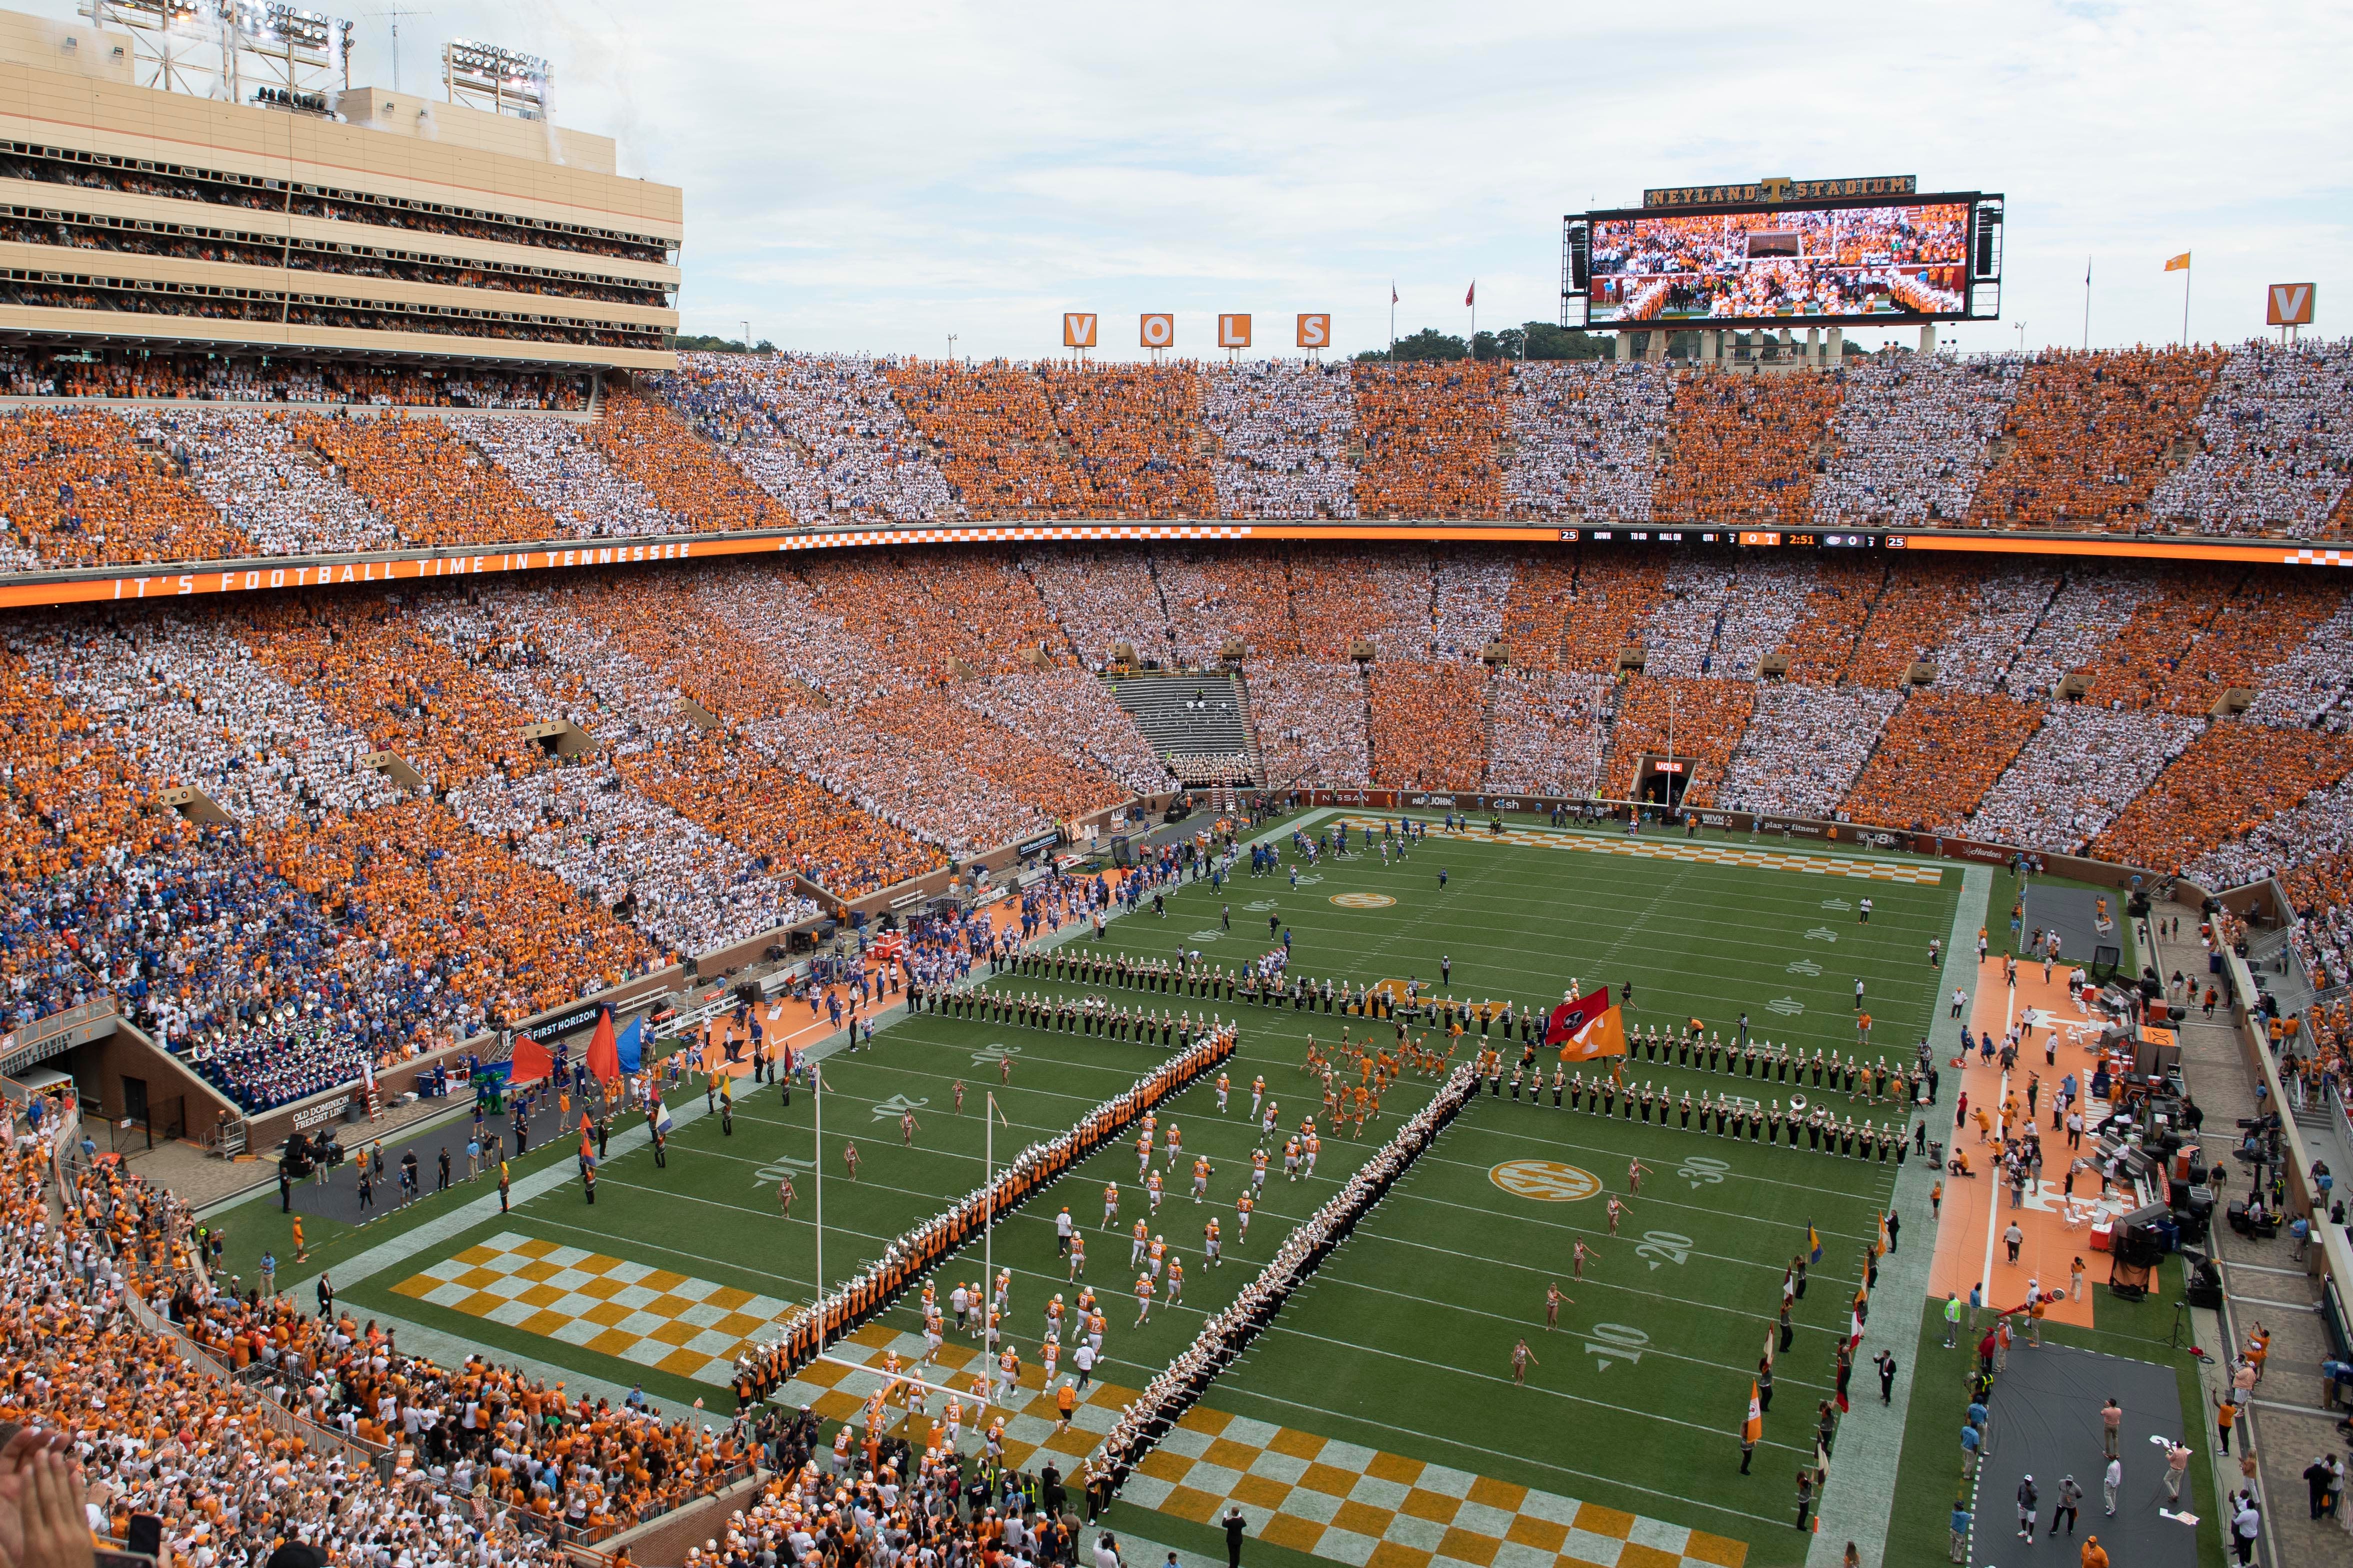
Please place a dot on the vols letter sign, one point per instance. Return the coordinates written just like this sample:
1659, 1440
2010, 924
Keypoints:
1158, 331
2291, 305
1315, 331
1078, 330
1587, 1028
1233, 332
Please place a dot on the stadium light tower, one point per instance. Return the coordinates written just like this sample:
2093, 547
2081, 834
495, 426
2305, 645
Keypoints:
502, 81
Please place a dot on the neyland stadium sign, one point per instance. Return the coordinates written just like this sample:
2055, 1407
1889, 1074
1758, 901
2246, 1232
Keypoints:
1774, 192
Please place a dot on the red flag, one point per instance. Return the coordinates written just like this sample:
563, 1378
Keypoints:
530, 1062
1393, 300
1571, 1016
603, 1050
1471, 295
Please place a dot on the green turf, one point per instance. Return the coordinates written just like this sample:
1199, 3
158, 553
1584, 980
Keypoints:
1462, 1261
1403, 1340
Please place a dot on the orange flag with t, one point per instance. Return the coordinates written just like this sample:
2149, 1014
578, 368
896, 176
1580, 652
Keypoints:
1594, 1038
1754, 1427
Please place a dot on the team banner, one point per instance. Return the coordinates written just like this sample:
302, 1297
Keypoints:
1571, 1016
1601, 1036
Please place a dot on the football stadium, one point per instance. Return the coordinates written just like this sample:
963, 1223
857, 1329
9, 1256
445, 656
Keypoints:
1725, 949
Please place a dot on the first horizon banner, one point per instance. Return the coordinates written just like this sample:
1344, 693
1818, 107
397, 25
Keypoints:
1779, 266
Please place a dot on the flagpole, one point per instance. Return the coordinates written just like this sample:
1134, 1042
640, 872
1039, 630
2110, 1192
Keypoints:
817, 1100
2087, 304
2185, 305
987, 1225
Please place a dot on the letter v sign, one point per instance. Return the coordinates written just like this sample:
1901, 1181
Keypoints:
2291, 305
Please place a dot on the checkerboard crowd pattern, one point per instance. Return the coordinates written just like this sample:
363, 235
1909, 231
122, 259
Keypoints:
648, 1317
1338, 1501
1685, 849
1375, 1510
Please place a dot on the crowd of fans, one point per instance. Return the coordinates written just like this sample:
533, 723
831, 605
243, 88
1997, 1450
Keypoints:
1911, 438
1052, 708
1311, 722
1428, 724
2091, 434
1939, 753
1803, 746
2308, 683
644, 440
1584, 439
242, 1423
1985, 621
1844, 595
265, 483
994, 429
79, 492
1285, 434
2241, 441
1102, 598
1467, 606
1744, 448
1695, 723
1544, 734
392, 848
227, 378
551, 461
819, 432
2275, 444
2226, 784
1131, 432
2068, 782
1433, 435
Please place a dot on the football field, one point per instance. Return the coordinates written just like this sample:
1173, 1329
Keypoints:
1377, 1420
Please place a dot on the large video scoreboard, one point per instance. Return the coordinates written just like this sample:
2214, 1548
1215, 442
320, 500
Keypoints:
1782, 252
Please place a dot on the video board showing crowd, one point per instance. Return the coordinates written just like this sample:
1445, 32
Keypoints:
1883, 263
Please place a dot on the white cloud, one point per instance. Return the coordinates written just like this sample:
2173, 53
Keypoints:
875, 177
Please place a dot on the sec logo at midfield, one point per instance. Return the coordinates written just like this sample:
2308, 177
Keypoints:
1546, 1181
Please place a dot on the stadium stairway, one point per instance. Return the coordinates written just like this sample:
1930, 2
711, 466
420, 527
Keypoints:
1198, 713
1250, 727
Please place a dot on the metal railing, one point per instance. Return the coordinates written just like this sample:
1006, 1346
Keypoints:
58, 1033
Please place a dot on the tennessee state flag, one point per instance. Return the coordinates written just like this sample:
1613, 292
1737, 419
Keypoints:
1754, 1427
1570, 1017
1814, 1244
603, 1048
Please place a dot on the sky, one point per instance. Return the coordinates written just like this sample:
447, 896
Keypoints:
878, 177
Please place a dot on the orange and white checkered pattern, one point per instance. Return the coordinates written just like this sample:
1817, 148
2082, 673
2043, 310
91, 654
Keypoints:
1374, 1509
648, 1317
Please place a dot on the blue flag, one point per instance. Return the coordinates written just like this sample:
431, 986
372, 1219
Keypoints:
631, 1047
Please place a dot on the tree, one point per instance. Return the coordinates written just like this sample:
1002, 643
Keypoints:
702, 342
1543, 340
1429, 344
